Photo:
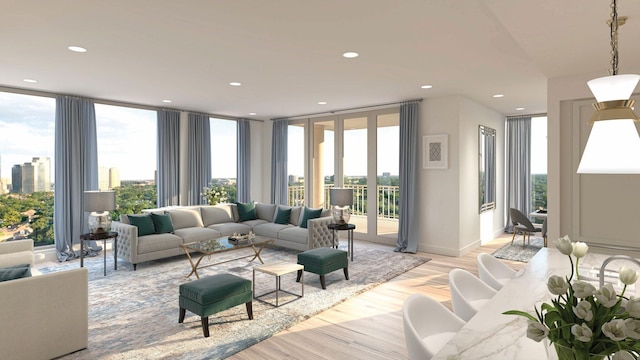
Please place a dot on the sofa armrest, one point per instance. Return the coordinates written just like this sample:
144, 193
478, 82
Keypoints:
46, 316
127, 241
7, 247
319, 233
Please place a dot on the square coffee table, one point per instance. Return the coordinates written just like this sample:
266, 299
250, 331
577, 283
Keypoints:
214, 246
278, 269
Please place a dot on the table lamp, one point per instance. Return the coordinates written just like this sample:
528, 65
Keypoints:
341, 199
98, 203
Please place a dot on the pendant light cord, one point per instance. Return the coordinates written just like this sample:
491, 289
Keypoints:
613, 24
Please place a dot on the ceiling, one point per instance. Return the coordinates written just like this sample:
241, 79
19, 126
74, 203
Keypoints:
288, 53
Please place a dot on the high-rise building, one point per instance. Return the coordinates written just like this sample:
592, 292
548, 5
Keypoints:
114, 178
103, 178
42, 171
32, 176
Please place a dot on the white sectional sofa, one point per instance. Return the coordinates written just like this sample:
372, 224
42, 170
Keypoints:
43, 316
203, 222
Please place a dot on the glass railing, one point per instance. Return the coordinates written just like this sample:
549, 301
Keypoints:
388, 197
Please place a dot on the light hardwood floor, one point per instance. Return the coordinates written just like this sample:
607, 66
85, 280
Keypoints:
369, 326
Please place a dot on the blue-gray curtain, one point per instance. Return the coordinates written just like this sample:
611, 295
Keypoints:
244, 160
279, 179
76, 170
168, 176
199, 157
518, 154
407, 235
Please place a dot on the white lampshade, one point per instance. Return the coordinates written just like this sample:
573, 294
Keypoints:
341, 197
99, 200
98, 204
614, 87
613, 147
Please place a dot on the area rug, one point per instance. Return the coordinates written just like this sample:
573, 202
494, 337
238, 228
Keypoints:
516, 252
134, 314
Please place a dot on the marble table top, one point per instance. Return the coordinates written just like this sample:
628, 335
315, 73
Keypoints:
492, 335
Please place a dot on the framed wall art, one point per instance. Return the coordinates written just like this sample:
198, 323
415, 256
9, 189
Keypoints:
435, 151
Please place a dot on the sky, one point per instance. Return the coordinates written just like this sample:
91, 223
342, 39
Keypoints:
127, 137
539, 145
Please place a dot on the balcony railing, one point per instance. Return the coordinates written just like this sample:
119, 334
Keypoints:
388, 197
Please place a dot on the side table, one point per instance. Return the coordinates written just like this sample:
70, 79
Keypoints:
104, 237
349, 228
277, 269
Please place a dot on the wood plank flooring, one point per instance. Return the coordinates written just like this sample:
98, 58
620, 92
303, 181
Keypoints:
369, 326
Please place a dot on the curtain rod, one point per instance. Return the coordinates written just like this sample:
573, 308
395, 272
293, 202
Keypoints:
532, 115
343, 110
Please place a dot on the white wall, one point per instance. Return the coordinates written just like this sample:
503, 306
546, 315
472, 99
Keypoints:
450, 223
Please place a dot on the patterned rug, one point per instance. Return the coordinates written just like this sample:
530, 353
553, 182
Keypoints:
516, 252
134, 315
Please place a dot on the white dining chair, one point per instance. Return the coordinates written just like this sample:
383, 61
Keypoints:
428, 326
468, 293
494, 272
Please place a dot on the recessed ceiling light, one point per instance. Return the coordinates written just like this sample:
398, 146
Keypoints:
350, 54
30, 80
166, 101
498, 95
519, 109
426, 86
77, 49
322, 103
235, 83
252, 114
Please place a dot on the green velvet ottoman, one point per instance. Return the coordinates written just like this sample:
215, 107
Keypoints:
322, 261
213, 294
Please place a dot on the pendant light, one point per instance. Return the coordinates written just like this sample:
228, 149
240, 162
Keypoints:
613, 146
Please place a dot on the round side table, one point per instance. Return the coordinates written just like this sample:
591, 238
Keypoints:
349, 228
104, 237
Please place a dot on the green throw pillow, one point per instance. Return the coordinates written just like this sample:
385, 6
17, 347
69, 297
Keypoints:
15, 272
246, 211
143, 223
283, 216
308, 215
162, 223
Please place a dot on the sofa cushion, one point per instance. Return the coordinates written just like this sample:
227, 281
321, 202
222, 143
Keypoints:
144, 223
162, 223
185, 218
270, 229
15, 272
282, 215
17, 258
158, 242
294, 234
308, 214
226, 229
253, 223
246, 211
197, 234
296, 215
216, 214
265, 211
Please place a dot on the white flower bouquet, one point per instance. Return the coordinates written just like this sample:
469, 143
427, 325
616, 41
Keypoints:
583, 322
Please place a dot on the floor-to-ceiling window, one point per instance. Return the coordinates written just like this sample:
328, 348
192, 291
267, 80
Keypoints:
539, 162
224, 157
127, 156
27, 130
295, 163
356, 150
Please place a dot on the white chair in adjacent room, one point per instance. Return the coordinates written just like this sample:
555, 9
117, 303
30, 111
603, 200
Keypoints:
468, 293
494, 272
428, 325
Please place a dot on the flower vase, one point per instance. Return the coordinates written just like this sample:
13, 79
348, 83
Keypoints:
560, 352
